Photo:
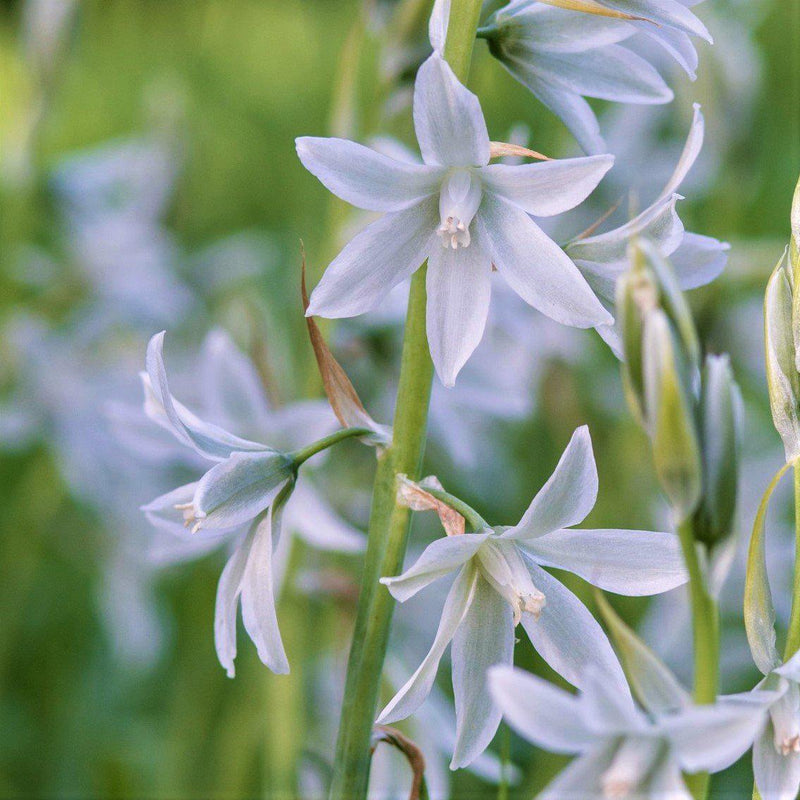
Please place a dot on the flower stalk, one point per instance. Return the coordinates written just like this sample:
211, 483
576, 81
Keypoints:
389, 521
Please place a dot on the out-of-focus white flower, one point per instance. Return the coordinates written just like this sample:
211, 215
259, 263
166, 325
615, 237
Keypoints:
500, 583
564, 55
460, 213
249, 485
624, 751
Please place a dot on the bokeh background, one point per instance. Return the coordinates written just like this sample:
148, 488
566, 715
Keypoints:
148, 181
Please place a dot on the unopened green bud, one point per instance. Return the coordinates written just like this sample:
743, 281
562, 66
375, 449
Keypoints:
720, 436
783, 380
670, 415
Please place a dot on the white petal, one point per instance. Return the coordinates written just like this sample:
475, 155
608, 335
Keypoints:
569, 638
208, 440
791, 669
416, 689
694, 143
535, 267
581, 780
671, 13
699, 260
667, 782
608, 710
437, 25
365, 178
459, 287
484, 638
569, 107
233, 394
677, 43
438, 558
777, 776
239, 488
384, 254
711, 738
609, 73
448, 118
258, 598
627, 562
163, 513
309, 515
228, 590
549, 187
569, 494
539, 711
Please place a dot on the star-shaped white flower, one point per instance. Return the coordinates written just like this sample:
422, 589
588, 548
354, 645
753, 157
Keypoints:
461, 214
623, 751
500, 583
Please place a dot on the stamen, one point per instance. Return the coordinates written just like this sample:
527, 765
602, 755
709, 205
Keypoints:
190, 517
459, 199
502, 566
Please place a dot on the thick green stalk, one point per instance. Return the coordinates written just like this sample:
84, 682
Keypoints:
793, 635
389, 522
705, 630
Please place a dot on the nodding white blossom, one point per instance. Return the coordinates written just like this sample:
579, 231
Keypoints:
461, 214
242, 499
500, 583
623, 751
564, 56
696, 259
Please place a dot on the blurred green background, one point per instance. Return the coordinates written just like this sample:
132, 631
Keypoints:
234, 82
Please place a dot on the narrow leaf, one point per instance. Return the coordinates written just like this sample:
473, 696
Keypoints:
759, 612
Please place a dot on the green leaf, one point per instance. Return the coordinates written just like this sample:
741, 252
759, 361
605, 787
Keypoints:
759, 612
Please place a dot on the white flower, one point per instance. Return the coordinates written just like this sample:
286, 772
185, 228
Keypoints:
500, 583
622, 751
240, 500
563, 56
696, 259
460, 213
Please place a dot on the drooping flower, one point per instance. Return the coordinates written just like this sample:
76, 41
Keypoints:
461, 214
696, 259
500, 583
240, 500
564, 56
623, 751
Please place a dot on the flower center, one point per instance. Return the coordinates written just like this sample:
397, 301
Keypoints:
503, 567
785, 716
630, 766
459, 199
190, 518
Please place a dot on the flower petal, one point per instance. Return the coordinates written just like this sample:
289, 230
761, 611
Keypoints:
549, 187
581, 780
240, 488
535, 267
228, 590
459, 287
378, 258
667, 782
634, 563
689, 154
418, 686
484, 638
448, 118
670, 13
437, 559
258, 598
569, 107
777, 776
711, 738
539, 711
611, 73
569, 638
208, 440
365, 178
699, 260
569, 494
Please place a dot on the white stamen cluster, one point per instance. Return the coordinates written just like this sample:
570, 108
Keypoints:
459, 199
190, 517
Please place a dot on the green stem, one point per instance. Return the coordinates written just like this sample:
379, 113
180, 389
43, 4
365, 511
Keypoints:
389, 522
471, 516
705, 629
301, 456
793, 635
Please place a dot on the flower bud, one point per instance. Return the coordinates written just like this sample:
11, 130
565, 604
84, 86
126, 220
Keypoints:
783, 380
670, 415
720, 437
